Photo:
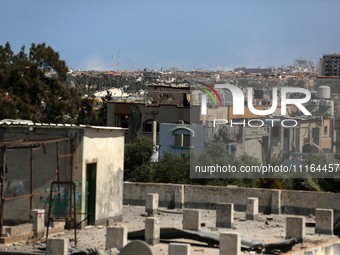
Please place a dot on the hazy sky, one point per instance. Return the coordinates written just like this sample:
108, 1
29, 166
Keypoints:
215, 35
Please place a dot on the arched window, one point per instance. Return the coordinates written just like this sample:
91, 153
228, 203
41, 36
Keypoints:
182, 137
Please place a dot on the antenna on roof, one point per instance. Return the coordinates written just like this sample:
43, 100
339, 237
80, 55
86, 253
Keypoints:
112, 63
118, 61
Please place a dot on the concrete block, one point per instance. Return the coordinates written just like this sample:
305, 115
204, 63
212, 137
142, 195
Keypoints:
252, 210
276, 202
152, 230
19, 230
179, 197
110, 222
324, 221
116, 237
151, 204
37, 218
57, 246
296, 228
192, 220
179, 249
224, 215
230, 243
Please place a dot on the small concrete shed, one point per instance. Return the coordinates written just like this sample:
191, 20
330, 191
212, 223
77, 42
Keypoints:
32, 155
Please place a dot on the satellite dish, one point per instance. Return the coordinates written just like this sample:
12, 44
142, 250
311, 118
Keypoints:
150, 100
169, 100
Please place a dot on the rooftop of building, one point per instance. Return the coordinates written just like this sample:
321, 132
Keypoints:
29, 123
268, 229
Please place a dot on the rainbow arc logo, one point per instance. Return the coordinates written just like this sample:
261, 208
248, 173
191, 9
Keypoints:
209, 93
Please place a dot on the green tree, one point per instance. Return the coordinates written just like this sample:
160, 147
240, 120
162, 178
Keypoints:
28, 91
87, 115
102, 112
173, 169
137, 166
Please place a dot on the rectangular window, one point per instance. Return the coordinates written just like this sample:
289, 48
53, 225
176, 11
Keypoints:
178, 140
186, 140
182, 140
276, 131
125, 125
147, 127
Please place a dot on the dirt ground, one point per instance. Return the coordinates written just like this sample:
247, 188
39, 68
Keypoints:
269, 229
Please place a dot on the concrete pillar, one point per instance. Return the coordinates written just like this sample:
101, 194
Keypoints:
276, 202
179, 197
152, 230
192, 220
37, 218
151, 204
243, 131
252, 211
324, 221
154, 132
57, 246
116, 237
296, 228
224, 215
230, 243
179, 249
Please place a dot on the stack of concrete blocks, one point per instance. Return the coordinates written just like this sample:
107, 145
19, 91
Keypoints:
252, 210
152, 230
224, 215
296, 228
116, 237
151, 204
37, 218
57, 246
230, 243
192, 219
179, 249
324, 221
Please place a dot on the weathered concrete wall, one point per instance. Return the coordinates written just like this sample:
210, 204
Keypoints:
206, 197
305, 202
196, 196
106, 148
44, 169
135, 193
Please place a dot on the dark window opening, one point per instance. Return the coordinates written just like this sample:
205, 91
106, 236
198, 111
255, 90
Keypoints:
276, 131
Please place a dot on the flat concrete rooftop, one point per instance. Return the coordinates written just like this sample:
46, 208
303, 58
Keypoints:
268, 228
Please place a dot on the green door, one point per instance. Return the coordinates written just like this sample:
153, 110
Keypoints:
90, 204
